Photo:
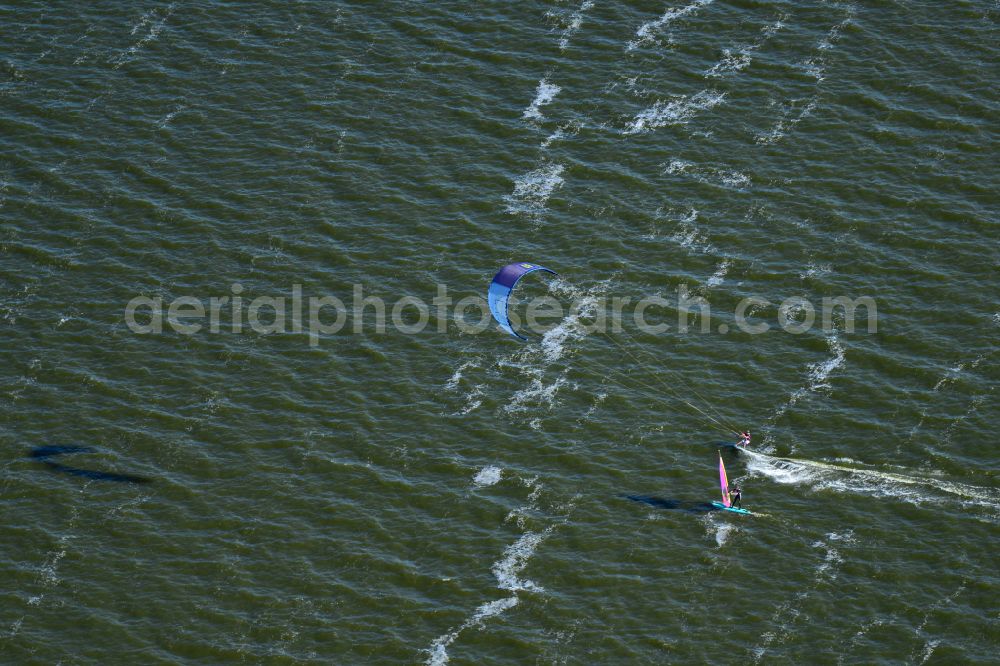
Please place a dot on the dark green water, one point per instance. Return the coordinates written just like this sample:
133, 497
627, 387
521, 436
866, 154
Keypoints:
360, 497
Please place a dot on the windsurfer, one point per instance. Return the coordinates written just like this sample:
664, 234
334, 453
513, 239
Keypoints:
744, 439
736, 496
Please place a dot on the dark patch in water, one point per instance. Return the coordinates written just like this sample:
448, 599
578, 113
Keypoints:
47, 451
43, 453
672, 504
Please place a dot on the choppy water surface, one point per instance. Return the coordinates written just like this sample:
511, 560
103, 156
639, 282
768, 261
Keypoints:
366, 497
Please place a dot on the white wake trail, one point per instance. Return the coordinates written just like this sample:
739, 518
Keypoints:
877, 483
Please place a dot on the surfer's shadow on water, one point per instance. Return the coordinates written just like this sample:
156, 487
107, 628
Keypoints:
669, 504
43, 454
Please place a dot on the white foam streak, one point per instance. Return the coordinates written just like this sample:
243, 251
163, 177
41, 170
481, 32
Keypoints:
534, 360
533, 189
474, 397
832, 559
155, 24
455, 378
788, 613
818, 374
689, 236
163, 122
506, 570
931, 644
856, 639
646, 33
708, 175
520, 514
536, 393
598, 400
731, 62
554, 341
929, 650
736, 60
487, 476
815, 66
833, 35
953, 373
544, 94
815, 270
575, 21
473, 400
786, 123
675, 112
677, 167
719, 275
722, 533
562, 132
439, 648
733, 179
514, 561
555, 136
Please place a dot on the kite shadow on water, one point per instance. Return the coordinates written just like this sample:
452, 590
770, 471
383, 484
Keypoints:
672, 504
44, 453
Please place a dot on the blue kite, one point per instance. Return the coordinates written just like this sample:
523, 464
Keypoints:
503, 283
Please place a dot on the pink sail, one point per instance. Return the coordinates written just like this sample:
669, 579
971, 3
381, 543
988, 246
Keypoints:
724, 482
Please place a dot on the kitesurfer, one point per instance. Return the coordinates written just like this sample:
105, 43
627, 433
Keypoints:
744, 439
736, 496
